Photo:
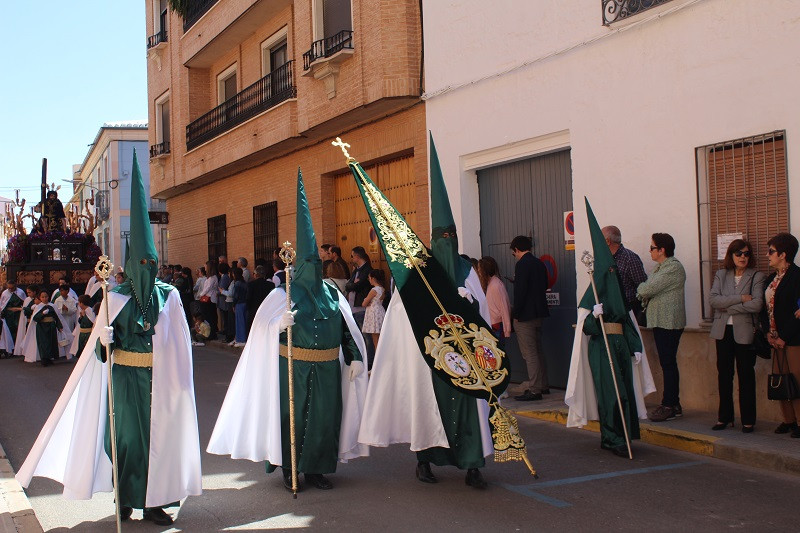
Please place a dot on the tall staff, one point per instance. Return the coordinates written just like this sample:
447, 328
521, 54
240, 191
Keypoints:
103, 268
287, 255
588, 260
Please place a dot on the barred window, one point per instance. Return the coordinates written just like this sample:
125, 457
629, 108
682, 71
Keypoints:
265, 230
742, 193
217, 238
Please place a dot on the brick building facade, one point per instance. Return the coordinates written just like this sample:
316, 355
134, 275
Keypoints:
243, 92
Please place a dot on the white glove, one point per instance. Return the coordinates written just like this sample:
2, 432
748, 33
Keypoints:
46, 311
287, 319
597, 310
107, 336
637, 357
356, 368
464, 293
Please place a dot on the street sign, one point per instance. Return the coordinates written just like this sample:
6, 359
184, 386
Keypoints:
159, 217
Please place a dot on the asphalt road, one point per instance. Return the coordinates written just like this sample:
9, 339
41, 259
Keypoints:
581, 487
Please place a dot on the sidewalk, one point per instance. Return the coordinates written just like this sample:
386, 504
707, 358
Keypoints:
691, 433
16, 514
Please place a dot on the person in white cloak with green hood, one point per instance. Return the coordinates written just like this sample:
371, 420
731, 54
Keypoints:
157, 439
406, 402
329, 379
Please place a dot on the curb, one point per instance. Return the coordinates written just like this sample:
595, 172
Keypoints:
16, 513
688, 441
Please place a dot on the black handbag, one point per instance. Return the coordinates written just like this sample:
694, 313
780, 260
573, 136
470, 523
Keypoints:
782, 386
760, 347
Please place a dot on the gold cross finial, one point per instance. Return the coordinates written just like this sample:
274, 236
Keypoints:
343, 145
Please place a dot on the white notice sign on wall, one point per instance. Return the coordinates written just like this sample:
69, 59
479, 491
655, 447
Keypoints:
553, 299
723, 241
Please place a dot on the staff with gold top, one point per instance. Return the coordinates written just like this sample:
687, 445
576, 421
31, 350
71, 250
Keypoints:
103, 269
287, 255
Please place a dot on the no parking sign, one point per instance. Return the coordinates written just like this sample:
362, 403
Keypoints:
569, 230
552, 270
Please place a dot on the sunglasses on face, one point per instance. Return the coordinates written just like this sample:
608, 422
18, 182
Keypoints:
742, 253
772, 251
653, 248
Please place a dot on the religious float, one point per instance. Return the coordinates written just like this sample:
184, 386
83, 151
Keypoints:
60, 243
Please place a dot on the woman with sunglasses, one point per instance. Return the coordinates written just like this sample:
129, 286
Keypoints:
663, 297
737, 296
782, 300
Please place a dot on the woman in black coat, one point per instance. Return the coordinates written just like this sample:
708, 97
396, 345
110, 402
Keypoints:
782, 298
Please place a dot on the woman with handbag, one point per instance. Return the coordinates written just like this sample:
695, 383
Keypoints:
737, 296
782, 300
208, 297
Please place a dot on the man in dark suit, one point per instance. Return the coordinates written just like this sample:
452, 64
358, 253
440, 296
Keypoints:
257, 289
358, 284
530, 307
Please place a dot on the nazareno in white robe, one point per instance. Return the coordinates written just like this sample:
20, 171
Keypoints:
401, 404
22, 329
249, 422
6, 340
581, 397
70, 448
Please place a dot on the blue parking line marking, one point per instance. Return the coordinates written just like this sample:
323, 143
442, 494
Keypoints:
531, 490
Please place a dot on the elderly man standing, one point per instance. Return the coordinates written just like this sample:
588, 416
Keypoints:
530, 307
629, 266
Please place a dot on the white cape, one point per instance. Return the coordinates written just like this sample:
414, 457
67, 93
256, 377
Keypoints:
581, 397
6, 342
70, 448
249, 422
30, 348
401, 404
22, 329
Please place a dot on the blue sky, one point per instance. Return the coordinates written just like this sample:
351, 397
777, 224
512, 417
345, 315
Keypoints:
68, 67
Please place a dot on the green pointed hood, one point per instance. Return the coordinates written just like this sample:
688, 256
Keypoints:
127, 252
606, 278
141, 265
308, 290
444, 240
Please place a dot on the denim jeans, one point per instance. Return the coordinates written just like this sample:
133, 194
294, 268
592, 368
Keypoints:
667, 341
241, 322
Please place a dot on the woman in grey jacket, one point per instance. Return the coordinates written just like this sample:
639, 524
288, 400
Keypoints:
737, 296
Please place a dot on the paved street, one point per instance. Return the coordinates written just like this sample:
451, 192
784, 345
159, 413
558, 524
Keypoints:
580, 488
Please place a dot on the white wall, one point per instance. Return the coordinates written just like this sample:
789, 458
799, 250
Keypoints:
634, 101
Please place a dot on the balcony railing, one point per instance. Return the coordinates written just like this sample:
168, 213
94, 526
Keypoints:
158, 38
159, 149
616, 10
267, 92
194, 11
327, 47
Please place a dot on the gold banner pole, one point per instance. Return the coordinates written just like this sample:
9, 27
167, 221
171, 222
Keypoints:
287, 255
588, 260
103, 268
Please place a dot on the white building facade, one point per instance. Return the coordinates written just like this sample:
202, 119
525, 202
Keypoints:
105, 175
675, 118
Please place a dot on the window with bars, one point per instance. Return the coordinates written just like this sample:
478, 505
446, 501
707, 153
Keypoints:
742, 193
217, 238
265, 230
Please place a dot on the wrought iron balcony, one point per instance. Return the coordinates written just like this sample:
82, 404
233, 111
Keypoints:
616, 10
327, 47
159, 150
158, 38
267, 92
194, 11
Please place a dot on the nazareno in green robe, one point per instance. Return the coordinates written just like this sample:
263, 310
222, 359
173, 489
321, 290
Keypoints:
47, 332
317, 393
622, 350
83, 322
132, 387
12, 317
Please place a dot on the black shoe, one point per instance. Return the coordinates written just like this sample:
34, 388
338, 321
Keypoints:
545, 391
125, 512
319, 481
287, 481
46, 362
620, 451
678, 410
157, 516
475, 479
425, 474
719, 426
785, 428
795, 433
529, 396
748, 429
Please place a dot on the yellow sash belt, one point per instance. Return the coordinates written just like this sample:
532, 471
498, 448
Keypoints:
126, 358
309, 354
613, 328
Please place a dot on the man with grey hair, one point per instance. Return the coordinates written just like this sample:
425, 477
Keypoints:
629, 266
246, 274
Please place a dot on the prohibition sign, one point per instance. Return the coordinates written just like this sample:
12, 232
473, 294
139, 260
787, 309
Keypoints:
552, 270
